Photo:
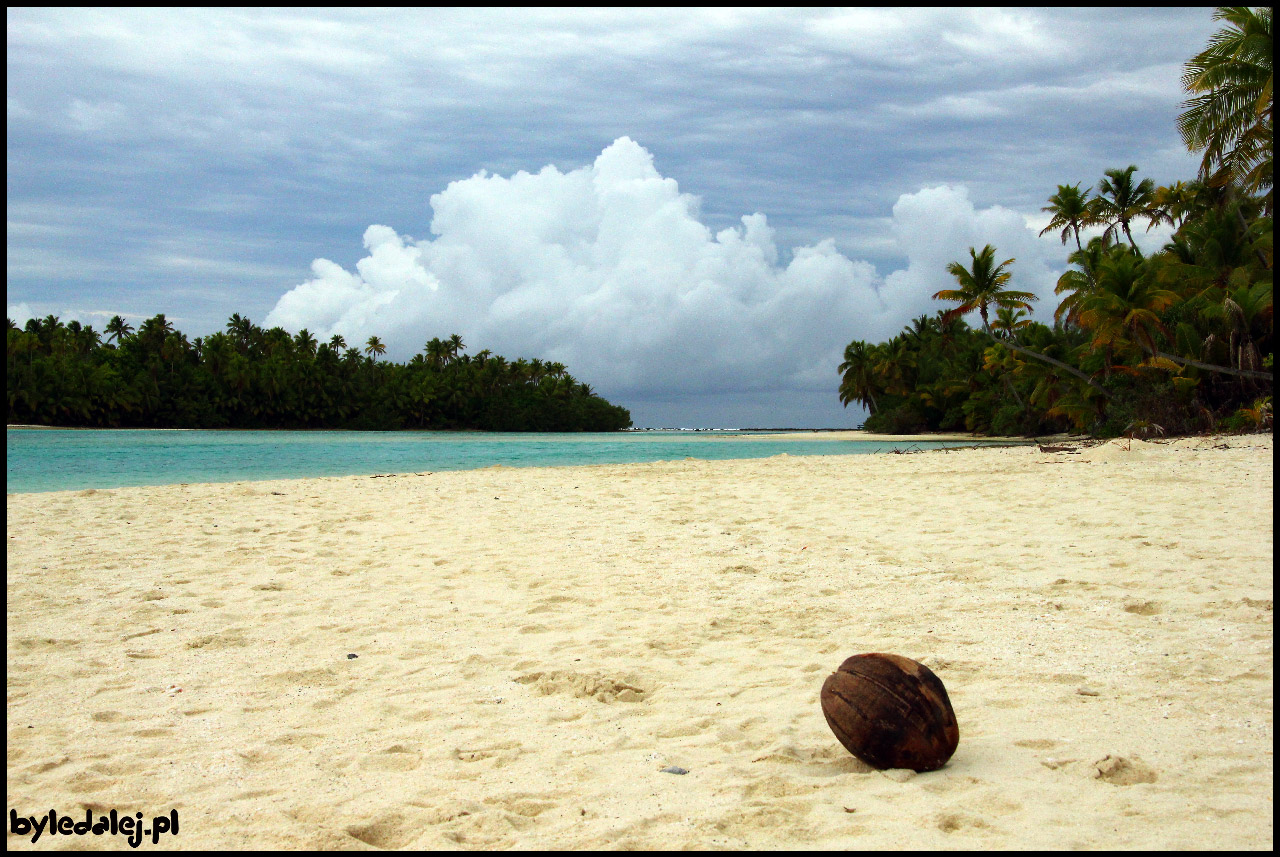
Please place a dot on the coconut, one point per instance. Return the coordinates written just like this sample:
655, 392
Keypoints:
891, 712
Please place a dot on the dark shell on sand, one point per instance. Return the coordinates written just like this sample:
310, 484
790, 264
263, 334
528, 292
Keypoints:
891, 712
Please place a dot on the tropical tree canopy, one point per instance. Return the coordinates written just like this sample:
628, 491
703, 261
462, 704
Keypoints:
62, 374
1181, 340
1119, 201
982, 285
1228, 115
1071, 210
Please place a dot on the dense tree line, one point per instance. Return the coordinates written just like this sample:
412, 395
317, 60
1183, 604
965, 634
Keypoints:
1176, 342
248, 377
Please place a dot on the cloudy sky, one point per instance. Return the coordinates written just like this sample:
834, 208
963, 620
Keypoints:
695, 211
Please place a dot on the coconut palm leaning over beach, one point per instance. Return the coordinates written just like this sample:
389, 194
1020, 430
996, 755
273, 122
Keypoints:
982, 286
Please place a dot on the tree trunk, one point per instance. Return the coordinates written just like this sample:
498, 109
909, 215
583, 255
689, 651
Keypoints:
1244, 229
1128, 234
1009, 386
1210, 367
1071, 369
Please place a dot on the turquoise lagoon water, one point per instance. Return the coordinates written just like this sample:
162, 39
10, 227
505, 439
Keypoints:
63, 460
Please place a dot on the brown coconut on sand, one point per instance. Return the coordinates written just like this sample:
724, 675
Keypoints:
891, 712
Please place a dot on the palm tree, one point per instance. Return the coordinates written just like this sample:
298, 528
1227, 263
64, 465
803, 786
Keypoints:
1244, 309
456, 346
1071, 210
118, 329
87, 339
896, 363
921, 327
1172, 204
173, 347
981, 286
858, 382
152, 333
1078, 284
337, 343
1119, 200
375, 346
1229, 113
305, 342
437, 351
1125, 305
1207, 252
1009, 321
948, 327
1209, 261
46, 329
242, 329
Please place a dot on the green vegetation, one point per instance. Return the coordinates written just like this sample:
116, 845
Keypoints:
1176, 342
248, 377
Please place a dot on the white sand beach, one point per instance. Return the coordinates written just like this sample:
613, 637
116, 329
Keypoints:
534, 646
858, 434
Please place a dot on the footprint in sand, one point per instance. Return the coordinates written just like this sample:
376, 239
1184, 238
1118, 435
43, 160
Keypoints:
950, 822
585, 686
45, 767
741, 569
556, 603
117, 768
778, 787
391, 830
108, 717
1122, 771
1037, 743
526, 804
229, 638
503, 752
397, 757
88, 781
749, 821
43, 643
305, 740
156, 732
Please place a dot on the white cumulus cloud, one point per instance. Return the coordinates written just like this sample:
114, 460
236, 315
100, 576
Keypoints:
609, 270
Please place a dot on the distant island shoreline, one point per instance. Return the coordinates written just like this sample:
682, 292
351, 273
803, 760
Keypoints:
728, 433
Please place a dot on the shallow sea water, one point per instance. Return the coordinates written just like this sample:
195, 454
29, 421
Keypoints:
69, 459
